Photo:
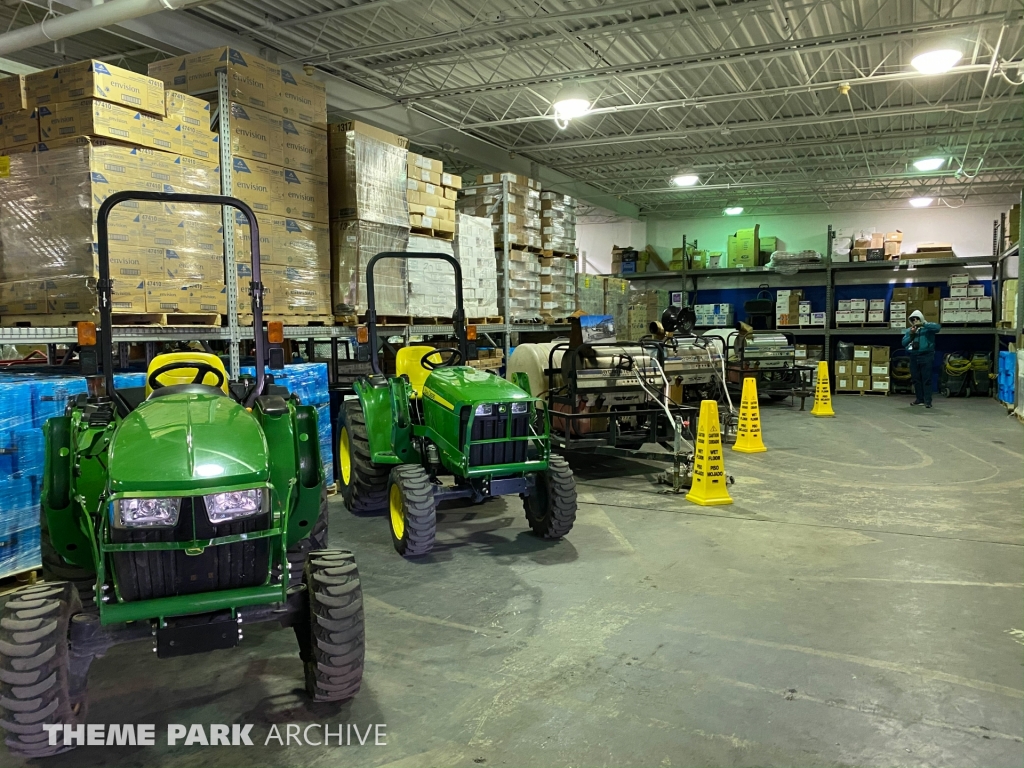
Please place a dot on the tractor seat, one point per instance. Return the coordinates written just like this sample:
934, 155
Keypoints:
407, 363
185, 375
186, 389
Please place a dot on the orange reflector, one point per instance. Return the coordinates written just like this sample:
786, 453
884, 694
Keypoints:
275, 332
471, 332
362, 334
87, 334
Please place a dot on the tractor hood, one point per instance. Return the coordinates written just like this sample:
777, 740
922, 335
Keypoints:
467, 386
184, 443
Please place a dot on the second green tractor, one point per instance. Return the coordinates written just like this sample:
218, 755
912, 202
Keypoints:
438, 417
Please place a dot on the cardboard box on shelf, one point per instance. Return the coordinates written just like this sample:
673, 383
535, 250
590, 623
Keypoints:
861, 352
844, 367
861, 382
857, 304
976, 289
985, 302
880, 369
880, 354
875, 305
19, 129
930, 310
250, 80
302, 98
92, 79
958, 291
877, 240
12, 94
880, 383
744, 248
875, 254
305, 147
89, 117
844, 383
959, 279
182, 109
258, 184
256, 134
876, 317
894, 237
892, 248
861, 367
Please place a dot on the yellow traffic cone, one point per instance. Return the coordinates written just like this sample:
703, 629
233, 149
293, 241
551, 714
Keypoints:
709, 483
822, 393
748, 432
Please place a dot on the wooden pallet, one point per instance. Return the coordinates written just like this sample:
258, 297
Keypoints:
154, 318
332, 489
845, 326
486, 320
397, 320
301, 320
429, 232
520, 247
558, 254
801, 327
19, 579
548, 320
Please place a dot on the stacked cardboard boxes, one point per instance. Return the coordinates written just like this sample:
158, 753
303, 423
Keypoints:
1008, 303
626, 261
788, 305
868, 371
558, 222
474, 250
19, 124
431, 281
278, 144
880, 369
910, 298
590, 294
715, 315
1011, 231
557, 286
645, 308
850, 311
616, 301
164, 258
523, 285
870, 246
744, 248
967, 302
431, 194
369, 215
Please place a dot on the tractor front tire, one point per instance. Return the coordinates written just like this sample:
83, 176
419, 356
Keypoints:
363, 484
333, 647
36, 685
56, 568
551, 505
413, 510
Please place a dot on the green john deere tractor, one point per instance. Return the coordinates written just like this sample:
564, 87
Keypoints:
437, 417
177, 513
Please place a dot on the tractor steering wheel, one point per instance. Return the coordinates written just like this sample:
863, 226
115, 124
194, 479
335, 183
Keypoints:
201, 370
453, 359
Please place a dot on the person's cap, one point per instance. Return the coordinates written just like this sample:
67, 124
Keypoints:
917, 313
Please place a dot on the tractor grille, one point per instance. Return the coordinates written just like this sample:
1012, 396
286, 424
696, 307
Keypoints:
494, 427
147, 575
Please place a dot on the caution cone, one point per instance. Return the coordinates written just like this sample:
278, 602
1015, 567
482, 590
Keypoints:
709, 483
822, 393
748, 432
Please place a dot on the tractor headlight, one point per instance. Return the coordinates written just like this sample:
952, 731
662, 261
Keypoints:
520, 407
145, 513
484, 410
224, 507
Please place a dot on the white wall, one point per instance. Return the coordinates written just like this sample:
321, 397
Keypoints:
596, 236
968, 228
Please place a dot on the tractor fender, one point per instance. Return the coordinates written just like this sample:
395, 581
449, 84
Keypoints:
66, 535
385, 406
310, 476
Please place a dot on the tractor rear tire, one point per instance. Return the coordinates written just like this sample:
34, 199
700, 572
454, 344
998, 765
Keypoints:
333, 646
56, 568
36, 684
364, 485
316, 540
551, 505
413, 510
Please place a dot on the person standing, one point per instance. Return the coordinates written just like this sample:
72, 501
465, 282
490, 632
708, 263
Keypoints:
919, 340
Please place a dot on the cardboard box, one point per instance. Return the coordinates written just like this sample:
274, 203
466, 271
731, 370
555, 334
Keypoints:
880, 383
856, 304
844, 383
963, 279
199, 143
958, 291
305, 148
877, 240
744, 248
930, 310
451, 180
862, 353
844, 368
256, 134
249, 78
875, 305
303, 99
818, 318
861, 368
94, 79
975, 289
875, 254
304, 196
985, 302
12, 94
41, 87
880, 354
892, 248
90, 117
258, 184
182, 109
861, 382
19, 129
894, 237
880, 369
876, 317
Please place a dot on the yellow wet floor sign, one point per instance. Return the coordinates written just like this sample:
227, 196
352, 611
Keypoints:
822, 393
709, 484
748, 430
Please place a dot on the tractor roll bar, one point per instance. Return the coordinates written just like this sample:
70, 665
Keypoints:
458, 318
105, 285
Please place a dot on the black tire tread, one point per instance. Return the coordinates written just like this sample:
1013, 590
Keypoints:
420, 510
557, 519
334, 661
368, 491
35, 684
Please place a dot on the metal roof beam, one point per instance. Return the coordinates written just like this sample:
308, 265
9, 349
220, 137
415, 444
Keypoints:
754, 125
746, 54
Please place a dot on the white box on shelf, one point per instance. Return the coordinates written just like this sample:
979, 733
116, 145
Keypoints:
985, 302
876, 305
976, 289
859, 304
957, 291
970, 303
844, 305
959, 279
876, 317
818, 318
897, 306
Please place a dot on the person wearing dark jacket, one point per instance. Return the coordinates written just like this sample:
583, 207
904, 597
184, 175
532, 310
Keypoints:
919, 340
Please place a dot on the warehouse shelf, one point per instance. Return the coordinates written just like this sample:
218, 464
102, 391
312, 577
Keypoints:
947, 330
727, 272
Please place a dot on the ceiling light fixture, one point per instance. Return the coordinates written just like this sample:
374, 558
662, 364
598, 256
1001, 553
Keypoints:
684, 177
929, 163
572, 101
934, 57
734, 210
921, 202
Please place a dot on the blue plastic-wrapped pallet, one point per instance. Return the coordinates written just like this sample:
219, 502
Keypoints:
308, 381
1006, 378
19, 513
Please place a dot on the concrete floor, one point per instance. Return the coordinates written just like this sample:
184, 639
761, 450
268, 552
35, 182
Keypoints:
859, 604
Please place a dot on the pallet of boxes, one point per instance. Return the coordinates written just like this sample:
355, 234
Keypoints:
610, 296
474, 250
967, 304
369, 184
517, 218
80, 133
867, 372
278, 143
558, 256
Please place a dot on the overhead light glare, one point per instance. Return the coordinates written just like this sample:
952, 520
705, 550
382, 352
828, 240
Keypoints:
571, 102
936, 61
685, 178
921, 202
734, 210
929, 163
